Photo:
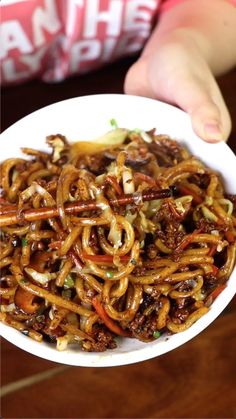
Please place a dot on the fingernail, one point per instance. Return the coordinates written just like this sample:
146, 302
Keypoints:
213, 132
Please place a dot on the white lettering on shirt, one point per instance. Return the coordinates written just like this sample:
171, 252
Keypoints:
71, 15
10, 73
78, 36
45, 19
135, 17
32, 63
85, 50
108, 49
111, 17
13, 37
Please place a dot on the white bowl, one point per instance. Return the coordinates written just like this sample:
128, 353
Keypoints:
86, 118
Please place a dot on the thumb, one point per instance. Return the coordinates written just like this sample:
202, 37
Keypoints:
137, 81
200, 97
206, 107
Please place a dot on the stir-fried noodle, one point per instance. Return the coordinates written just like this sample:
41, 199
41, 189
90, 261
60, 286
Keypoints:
131, 236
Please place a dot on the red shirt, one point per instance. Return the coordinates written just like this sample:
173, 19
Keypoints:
53, 39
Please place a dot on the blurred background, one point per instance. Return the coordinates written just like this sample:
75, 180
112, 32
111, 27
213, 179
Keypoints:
197, 380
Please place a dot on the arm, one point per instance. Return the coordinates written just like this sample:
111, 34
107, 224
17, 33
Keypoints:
192, 42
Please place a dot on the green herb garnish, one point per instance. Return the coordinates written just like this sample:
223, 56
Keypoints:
142, 244
24, 242
133, 261
69, 282
109, 275
24, 281
156, 334
113, 123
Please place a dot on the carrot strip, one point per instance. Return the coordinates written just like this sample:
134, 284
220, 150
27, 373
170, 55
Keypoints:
197, 199
212, 250
187, 240
217, 291
174, 210
113, 182
229, 236
145, 178
55, 245
104, 258
110, 324
25, 301
214, 294
214, 269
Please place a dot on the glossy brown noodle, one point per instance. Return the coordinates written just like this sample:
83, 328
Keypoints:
134, 238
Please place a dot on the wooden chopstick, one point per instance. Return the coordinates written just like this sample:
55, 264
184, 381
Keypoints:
14, 217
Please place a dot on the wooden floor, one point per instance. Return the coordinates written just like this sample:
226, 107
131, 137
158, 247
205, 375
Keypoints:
197, 380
